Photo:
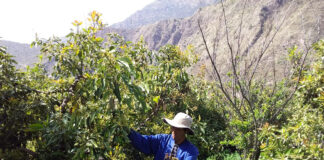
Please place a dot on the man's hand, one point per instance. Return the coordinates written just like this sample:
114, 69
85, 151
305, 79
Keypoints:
125, 129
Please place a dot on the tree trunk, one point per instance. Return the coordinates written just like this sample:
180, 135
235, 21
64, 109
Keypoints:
256, 150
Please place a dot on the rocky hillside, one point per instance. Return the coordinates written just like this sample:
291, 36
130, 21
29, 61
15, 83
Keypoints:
293, 22
162, 10
23, 54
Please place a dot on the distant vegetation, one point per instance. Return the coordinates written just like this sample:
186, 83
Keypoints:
100, 89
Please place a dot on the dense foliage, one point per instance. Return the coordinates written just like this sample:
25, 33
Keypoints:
100, 87
301, 136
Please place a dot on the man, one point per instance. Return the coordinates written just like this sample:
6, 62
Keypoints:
168, 146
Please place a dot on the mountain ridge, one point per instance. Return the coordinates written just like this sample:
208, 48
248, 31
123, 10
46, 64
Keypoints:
162, 10
22, 53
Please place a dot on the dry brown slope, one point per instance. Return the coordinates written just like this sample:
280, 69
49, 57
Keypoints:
303, 23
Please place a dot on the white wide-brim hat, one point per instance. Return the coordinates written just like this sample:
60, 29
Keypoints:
181, 120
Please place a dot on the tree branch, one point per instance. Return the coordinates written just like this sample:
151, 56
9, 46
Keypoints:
28, 151
70, 93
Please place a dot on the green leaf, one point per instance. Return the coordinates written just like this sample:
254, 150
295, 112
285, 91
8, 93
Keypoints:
156, 99
40, 57
127, 63
29, 112
34, 127
117, 91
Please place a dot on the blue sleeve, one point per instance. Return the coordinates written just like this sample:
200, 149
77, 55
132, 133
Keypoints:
191, 158
147, 144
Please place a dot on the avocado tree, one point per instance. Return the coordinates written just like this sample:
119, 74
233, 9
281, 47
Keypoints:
101, 87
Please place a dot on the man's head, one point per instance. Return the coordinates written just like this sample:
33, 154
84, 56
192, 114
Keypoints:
180, 124
178, 134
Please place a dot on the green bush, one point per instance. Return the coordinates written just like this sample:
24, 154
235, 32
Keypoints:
302, 136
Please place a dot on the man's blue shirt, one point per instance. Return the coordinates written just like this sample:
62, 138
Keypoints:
161, 144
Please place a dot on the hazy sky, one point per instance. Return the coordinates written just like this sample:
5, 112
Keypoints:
21, 19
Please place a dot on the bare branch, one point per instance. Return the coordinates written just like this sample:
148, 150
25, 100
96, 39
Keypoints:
239, 40
274, 74
243, 91
216, 39
217, 72
35, 90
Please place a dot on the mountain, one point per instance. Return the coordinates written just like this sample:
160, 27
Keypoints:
23, 54
163, 10
156, 11
298, 22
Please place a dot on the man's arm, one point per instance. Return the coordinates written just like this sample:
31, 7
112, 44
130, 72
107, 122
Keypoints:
147, 144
